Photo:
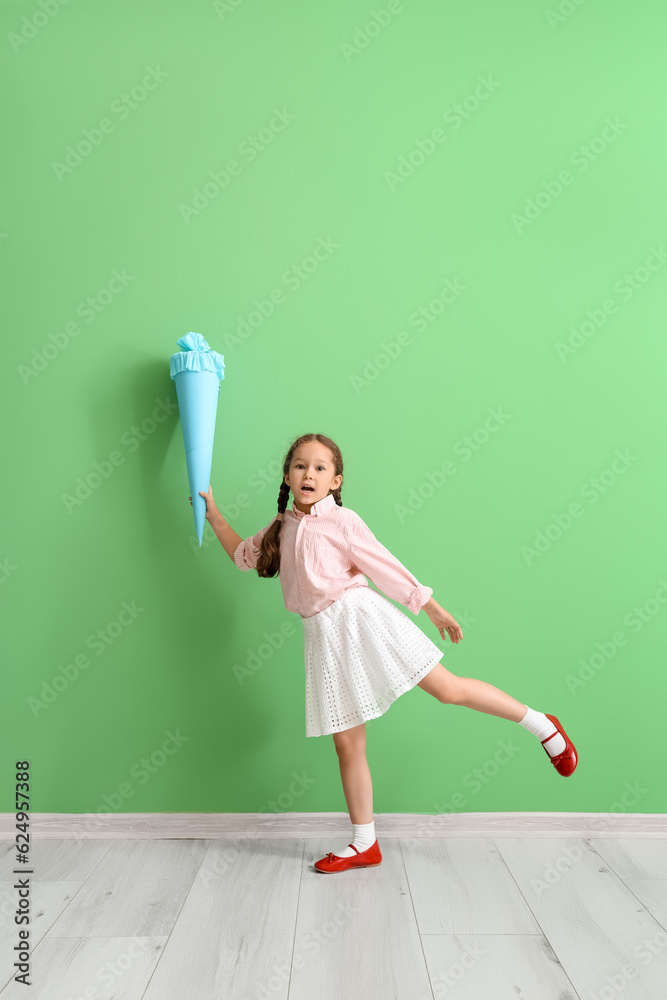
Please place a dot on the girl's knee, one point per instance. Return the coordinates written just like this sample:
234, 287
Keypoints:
454, 691
351, 740
443, 685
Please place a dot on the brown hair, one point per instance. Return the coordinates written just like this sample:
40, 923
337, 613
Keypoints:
268, 561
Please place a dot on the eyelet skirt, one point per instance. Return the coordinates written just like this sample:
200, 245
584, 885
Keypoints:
361, 654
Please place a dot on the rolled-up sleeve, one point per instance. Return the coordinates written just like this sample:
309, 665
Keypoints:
246, 552
384, 569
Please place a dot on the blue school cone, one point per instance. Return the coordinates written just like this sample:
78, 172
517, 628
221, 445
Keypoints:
197, 371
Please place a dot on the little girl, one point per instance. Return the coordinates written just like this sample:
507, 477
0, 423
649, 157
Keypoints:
361, 651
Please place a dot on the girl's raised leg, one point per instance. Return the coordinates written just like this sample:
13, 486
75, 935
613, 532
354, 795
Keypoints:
472, 693
484, 697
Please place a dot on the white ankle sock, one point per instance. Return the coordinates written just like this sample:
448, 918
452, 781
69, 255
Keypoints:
364, 837
538, 724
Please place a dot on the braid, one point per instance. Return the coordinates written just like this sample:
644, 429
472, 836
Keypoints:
268, 562
283, 497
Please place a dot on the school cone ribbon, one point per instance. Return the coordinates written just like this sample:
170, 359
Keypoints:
197, 371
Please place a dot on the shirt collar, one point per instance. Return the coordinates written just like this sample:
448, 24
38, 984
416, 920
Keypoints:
321, 507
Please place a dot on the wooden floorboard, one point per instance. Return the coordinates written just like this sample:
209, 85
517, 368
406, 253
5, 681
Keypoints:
210, 826
603, 937
534, 917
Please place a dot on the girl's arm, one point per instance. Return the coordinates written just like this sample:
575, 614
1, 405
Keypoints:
397, 582
442, 620
226, 535
224, 531
387, 572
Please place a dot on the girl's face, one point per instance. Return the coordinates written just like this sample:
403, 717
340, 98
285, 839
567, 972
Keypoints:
311, 465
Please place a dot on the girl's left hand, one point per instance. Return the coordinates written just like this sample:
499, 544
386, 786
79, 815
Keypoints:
443, 620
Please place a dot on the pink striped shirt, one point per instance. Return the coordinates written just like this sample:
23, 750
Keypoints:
324, 553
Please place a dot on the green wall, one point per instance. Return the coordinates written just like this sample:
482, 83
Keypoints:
436, 235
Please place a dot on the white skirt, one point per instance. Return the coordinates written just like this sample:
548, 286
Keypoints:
361, 653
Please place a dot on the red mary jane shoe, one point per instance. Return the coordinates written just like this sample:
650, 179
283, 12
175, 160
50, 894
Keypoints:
362, 859
566, 761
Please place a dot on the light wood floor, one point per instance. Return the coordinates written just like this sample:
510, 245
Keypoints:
522, 918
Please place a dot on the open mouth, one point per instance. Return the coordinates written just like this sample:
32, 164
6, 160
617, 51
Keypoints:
307, 489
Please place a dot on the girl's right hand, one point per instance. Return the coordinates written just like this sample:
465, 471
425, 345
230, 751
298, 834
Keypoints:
211, 508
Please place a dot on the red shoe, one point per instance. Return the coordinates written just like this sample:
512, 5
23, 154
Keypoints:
566, 761
362, 859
